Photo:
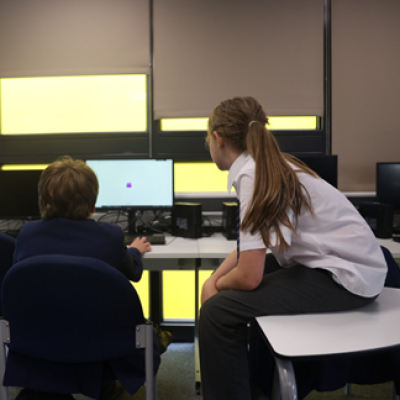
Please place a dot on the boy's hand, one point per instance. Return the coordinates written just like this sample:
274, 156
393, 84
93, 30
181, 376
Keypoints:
141, 244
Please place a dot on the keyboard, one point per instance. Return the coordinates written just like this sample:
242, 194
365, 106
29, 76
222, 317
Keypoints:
153, 239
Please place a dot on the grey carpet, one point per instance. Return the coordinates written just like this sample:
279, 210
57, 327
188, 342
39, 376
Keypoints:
176, 381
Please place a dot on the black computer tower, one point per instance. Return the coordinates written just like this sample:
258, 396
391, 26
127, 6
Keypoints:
187, 220
229, 220
379, 217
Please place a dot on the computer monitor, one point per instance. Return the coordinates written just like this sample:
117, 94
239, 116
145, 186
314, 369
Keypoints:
134, 184
388, 184
326, 166
19, 194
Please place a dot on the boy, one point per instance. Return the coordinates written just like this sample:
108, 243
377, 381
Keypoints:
68, 191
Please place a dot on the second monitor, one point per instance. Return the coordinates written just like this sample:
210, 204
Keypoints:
326, 166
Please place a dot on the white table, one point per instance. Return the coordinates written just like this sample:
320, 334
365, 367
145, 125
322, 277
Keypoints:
177, 254
305, 336
391, 245
165, 256
214, 248
207, 253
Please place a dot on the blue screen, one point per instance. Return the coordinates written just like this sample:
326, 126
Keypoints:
134, 184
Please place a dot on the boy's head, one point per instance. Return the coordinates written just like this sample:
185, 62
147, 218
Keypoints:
67, 189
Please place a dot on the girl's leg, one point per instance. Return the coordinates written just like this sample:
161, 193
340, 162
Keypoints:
224, 318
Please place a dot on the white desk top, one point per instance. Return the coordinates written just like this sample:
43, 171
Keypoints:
217, 246
175, 247
374, 326
391, 245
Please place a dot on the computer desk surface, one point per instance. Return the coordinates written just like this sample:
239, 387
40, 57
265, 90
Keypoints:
218, 247
205, 253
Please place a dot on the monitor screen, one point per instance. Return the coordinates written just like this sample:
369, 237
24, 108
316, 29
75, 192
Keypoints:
388, 183
326, 166
134, 184
19, 194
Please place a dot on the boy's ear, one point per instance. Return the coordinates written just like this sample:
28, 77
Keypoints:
92, 210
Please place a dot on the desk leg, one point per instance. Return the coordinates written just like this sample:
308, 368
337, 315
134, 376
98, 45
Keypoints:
196, 328
156, 314
287, 379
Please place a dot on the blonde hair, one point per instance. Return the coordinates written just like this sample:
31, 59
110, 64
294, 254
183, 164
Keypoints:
241, 122
67, 189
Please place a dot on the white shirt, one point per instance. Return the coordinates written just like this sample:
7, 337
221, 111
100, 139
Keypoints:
335, 238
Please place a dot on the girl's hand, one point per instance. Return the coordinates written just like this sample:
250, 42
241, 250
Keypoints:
141, 244
209, 289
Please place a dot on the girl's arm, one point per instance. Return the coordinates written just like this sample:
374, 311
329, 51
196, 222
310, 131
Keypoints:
247, 275
209, 287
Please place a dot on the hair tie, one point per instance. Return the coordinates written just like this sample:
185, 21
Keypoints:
251, 123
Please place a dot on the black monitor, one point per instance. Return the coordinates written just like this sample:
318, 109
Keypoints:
134, 184
19, 194
326, 166
388, 184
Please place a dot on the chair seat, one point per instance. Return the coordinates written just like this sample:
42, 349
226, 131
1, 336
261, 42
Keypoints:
304, 337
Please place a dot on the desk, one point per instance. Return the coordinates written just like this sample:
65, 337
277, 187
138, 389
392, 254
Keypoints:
177, 254
193, 254
165, 256
391, 245
184, 254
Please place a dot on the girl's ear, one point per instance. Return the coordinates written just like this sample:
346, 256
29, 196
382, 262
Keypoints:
220, 140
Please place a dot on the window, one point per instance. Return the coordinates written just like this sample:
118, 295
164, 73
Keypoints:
73, 104
275, 123
199, 177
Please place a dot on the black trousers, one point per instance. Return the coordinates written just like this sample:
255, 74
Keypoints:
224, 318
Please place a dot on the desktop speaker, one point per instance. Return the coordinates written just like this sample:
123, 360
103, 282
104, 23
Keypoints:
187, 220
229, 216
379, 217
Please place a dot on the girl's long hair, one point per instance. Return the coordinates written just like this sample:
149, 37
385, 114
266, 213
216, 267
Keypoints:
277, 192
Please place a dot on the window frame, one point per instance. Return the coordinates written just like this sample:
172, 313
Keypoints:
187, 146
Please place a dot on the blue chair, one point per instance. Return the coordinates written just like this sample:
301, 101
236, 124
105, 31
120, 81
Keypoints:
330, 374
393, 274
73, 323
7, 247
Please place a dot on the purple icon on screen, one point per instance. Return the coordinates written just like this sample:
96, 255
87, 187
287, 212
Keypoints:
129, 185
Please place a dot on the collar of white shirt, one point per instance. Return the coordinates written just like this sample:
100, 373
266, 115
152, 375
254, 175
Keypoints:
237, 165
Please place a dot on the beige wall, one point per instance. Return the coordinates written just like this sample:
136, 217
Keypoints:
365, 88
365, 59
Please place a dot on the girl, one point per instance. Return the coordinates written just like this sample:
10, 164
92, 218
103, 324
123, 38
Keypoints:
324, 257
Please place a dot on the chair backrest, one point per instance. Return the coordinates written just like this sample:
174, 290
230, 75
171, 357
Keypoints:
393, 274
7, 247
70, 309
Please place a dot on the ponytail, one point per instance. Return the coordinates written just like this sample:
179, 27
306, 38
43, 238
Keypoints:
277, 191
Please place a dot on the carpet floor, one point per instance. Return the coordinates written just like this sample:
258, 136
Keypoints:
176, 381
